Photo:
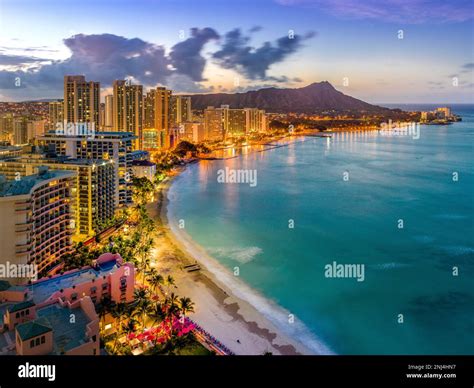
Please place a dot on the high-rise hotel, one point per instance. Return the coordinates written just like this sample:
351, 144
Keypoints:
226, 122
180, 110
81, 100
56, 113
103, 146
156, 119
128, 110
35, 227
92, 187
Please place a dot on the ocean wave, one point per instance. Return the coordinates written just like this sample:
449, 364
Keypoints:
424, 239
458, 250
384, 266
451, 216
242, 255
276, 314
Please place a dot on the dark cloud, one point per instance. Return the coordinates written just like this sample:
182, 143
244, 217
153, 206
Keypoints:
255, 29
283, 79
107, 57
103, 57
467, 67
186, 56
18, 60
254, 63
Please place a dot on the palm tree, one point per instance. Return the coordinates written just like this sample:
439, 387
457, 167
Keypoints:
118, 312
103, 308
157, 313
186, 305
144, 265
172, 310
142, 188
144, 309
169, 282
129, 328
142, 302
140, 294
155, 280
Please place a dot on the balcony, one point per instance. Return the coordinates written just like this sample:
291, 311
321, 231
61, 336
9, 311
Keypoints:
26, 244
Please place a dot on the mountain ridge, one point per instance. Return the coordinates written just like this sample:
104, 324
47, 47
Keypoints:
312, 98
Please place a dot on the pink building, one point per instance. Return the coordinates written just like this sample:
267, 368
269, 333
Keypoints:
57, 315
108, 277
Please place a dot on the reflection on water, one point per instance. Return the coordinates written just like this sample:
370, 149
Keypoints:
352, 221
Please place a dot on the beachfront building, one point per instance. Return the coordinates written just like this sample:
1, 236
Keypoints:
108, 277
443, 112
226, 122
108, 146
38, 315
92, 188
61, 328
58, 327
144, 168
128, 110
256, 120
194, 132
36, 217
214, 119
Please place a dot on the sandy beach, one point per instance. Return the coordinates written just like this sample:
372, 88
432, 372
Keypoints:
218, 307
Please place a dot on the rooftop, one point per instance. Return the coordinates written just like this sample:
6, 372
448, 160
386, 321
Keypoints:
27, 183
96, 134
4, 285
20, 306
67, 334
40, 157
32, 329
143, 163
42, 290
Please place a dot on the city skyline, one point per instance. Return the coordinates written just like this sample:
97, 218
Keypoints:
354, 45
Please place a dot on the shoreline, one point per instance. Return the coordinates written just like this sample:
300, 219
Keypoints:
220, 308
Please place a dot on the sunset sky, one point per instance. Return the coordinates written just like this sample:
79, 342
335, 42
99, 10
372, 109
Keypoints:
229, 46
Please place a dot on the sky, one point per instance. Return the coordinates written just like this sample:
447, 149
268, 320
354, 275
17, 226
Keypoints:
392, 51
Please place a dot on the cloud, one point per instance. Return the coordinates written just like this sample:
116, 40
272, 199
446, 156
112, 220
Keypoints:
29, 49
102, 57
399, 11
186, 56
107, 57
467, 67
183, 83
236, 53
19, 60
255, 29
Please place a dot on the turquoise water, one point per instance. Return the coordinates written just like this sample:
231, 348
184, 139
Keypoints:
408, 271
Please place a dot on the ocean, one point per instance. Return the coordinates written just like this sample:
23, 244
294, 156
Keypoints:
399, 208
